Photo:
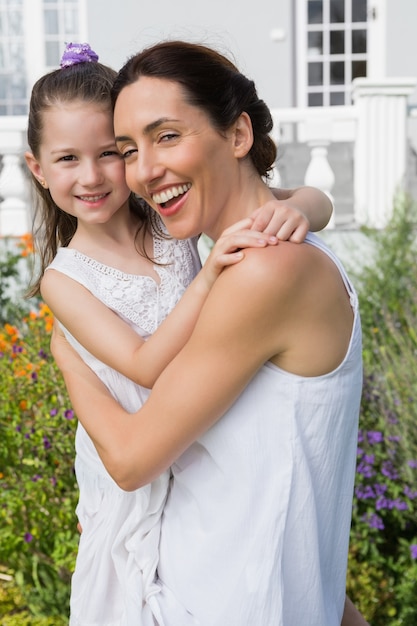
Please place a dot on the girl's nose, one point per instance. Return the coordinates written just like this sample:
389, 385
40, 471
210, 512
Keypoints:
91, 174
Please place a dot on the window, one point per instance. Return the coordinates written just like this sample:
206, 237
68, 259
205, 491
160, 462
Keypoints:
61, 26
12, 59
333, 46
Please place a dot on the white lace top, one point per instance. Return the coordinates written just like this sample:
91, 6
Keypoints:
113, 582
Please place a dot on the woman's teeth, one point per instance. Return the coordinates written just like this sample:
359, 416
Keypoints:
168, 194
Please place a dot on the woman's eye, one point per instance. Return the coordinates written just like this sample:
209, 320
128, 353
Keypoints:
128, 153
111, 153
168, 136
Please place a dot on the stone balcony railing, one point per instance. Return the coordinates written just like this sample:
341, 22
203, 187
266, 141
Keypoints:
379, 127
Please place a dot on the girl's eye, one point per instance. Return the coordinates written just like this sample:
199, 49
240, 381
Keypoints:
68, 157
111, 153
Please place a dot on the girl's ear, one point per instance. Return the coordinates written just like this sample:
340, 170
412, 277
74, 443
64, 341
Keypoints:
35, 167
243, 135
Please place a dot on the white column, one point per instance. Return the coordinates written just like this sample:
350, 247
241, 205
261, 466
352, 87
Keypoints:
319, 173
380, 148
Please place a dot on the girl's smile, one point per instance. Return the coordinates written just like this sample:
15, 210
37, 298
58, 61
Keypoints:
80, 162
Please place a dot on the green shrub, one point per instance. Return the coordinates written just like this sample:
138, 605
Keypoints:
38, 535
382, 577
16, 256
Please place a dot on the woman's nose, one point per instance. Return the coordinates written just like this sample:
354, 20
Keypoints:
148, 167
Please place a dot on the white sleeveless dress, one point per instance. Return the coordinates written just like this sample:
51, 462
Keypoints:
256, 525
113, 583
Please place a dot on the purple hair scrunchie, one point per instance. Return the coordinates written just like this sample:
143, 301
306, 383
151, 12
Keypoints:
75, 53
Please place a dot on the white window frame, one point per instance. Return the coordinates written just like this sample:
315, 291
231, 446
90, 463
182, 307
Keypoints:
374, 56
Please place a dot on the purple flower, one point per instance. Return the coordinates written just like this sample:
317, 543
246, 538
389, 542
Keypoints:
389, 470
28, 537
399, 504
395, 438
375, 436
34, 376
413, 550
410, 493
365, 469
46, 443
42, 354
53, 412
369, 458
380, 489
36, 477
364, 492
382, 503
412, 464
69, 414
374, 521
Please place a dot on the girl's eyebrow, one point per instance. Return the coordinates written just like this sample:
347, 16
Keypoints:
149, 128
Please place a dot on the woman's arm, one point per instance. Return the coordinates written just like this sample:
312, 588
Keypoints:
301, 209
351, 615
233, 337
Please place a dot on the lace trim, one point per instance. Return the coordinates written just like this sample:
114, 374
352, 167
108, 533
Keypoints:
139, 299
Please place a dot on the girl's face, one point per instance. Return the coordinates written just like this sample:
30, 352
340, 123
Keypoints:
80, 162
175, 159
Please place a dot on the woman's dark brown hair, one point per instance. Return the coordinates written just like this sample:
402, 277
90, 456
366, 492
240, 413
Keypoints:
209, 81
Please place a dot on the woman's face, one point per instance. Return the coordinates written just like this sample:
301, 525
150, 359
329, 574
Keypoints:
175, 159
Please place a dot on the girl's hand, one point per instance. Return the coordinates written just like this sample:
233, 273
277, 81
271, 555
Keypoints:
294, 213
279, 218
228, 248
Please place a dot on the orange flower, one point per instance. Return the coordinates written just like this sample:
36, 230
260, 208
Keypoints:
12, 332
23, 405
26, 244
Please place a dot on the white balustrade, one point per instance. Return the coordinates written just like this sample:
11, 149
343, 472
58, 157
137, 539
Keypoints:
14, 190
376, 124
381, 146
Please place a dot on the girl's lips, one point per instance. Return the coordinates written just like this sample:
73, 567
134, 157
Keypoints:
93, 199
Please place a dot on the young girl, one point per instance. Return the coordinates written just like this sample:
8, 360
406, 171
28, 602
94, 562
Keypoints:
113, 275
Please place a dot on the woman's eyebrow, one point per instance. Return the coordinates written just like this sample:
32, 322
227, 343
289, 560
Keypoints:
149, 127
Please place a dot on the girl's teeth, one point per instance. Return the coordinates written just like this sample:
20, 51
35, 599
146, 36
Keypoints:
92, 198
168, 194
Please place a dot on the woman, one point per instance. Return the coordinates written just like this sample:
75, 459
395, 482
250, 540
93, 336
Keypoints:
256, 526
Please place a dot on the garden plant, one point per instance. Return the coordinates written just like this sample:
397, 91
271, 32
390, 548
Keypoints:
38, 494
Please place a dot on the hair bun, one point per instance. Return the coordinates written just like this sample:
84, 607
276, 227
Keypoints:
75, 53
